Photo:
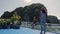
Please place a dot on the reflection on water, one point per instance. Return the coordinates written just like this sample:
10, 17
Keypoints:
54, 28
50, 28
22, 30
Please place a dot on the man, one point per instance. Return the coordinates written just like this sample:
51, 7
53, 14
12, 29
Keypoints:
34, 22
43, 20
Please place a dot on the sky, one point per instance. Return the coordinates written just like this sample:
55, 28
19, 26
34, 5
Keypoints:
52, 6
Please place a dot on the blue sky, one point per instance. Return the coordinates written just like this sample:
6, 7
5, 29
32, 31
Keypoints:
53, 6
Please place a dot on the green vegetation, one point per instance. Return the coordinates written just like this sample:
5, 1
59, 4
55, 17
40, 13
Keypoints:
15, 17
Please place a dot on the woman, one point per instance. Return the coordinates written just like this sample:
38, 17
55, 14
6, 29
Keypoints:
43, 20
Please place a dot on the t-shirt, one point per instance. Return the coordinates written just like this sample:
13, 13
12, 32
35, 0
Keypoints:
42, 18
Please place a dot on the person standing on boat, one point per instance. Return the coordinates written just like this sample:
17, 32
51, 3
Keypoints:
43, 17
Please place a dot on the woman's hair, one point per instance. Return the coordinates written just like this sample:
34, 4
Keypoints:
43, 9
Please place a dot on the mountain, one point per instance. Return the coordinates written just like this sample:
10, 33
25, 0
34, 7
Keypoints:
53, 19
28, 12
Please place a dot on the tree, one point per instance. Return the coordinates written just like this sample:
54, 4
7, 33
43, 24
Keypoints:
6, 15
52, 19
15, 17
31, 11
